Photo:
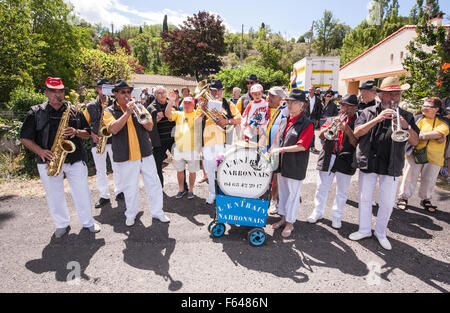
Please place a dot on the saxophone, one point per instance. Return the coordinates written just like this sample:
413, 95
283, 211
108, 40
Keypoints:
103, 133
61, 146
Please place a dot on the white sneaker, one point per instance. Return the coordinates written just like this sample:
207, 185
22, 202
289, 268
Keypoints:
130, 221
273, 209
358, 236
211, 199
336, 223
163, 218
313, 218
384, 242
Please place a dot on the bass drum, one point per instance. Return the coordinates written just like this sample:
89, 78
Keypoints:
244, 173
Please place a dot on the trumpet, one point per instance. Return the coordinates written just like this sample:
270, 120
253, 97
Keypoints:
142, 117
398, 134
332, 131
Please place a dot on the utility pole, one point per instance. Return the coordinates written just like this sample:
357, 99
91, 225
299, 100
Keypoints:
310, 39
241, 59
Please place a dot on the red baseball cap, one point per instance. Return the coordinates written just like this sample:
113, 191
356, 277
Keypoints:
54, 83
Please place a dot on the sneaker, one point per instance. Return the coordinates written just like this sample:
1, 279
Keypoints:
273, 209
190, 195
101, 202
94, 228
59, 232
180, 194
163, 218
211, 199
314, 218
384, 242
336, 223
130, 221
358, 236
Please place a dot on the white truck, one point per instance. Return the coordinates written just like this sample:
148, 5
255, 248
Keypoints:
320, 72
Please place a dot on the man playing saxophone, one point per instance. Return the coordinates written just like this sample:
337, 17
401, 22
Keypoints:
101, 145
336, 159
39, 131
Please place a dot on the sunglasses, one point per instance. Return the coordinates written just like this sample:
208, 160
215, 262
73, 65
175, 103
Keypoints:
125, 92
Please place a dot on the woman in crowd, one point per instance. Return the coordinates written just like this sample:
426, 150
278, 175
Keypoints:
433, 134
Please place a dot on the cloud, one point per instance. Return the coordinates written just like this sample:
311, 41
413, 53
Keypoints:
106, 12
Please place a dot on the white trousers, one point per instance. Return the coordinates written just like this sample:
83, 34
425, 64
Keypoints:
77, 176
428, 172
210, 164
101, 176
386, 198
130, 171
325, 182
289, 197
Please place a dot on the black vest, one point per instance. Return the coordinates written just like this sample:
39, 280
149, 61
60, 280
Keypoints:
344, 157
95, 112
120, 144
226, 107
293, 164
42, 114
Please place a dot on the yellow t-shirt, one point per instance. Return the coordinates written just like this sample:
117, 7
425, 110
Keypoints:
185, 136
435, 150
213, 134
133, 141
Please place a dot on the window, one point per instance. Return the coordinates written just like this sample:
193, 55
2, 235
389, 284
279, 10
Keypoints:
392, 58
401, 55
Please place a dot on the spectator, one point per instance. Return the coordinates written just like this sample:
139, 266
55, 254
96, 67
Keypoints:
161, 134
329, 108
186, 146
367, 94
144, 95
314, 112
178, 100
236, 95
433, 133
245, 99
186, 92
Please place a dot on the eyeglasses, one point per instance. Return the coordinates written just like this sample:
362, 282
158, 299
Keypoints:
125, 92
429, 107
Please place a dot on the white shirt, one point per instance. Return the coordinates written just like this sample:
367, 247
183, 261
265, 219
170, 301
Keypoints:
312, 101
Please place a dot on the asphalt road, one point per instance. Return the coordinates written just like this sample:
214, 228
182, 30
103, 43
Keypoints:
183, 257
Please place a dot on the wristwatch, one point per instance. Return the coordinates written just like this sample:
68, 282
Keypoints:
229, 122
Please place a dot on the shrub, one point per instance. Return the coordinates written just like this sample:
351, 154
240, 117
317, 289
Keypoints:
237, 77
22, 99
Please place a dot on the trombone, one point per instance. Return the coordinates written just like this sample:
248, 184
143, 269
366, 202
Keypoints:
332, 131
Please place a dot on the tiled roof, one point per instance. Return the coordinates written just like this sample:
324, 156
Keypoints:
163, 80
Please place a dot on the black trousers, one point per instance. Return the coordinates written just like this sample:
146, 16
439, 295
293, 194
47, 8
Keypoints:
160, 154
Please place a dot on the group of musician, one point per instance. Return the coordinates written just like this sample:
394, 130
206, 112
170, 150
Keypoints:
282, 124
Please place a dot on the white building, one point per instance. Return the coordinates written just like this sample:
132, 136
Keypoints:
382, 60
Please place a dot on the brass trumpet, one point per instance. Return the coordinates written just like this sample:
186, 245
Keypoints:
398, 134
332, 131
142, 117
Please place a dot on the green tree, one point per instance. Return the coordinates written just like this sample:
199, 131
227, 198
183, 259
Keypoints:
17, 46
96, 64
432, 7
428, 53
165, 25
329, 34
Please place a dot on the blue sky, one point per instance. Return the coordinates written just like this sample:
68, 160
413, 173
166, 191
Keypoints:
291, 18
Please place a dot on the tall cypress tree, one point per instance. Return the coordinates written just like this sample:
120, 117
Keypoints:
165, 25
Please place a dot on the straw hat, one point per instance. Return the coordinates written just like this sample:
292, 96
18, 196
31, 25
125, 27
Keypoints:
392, 84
